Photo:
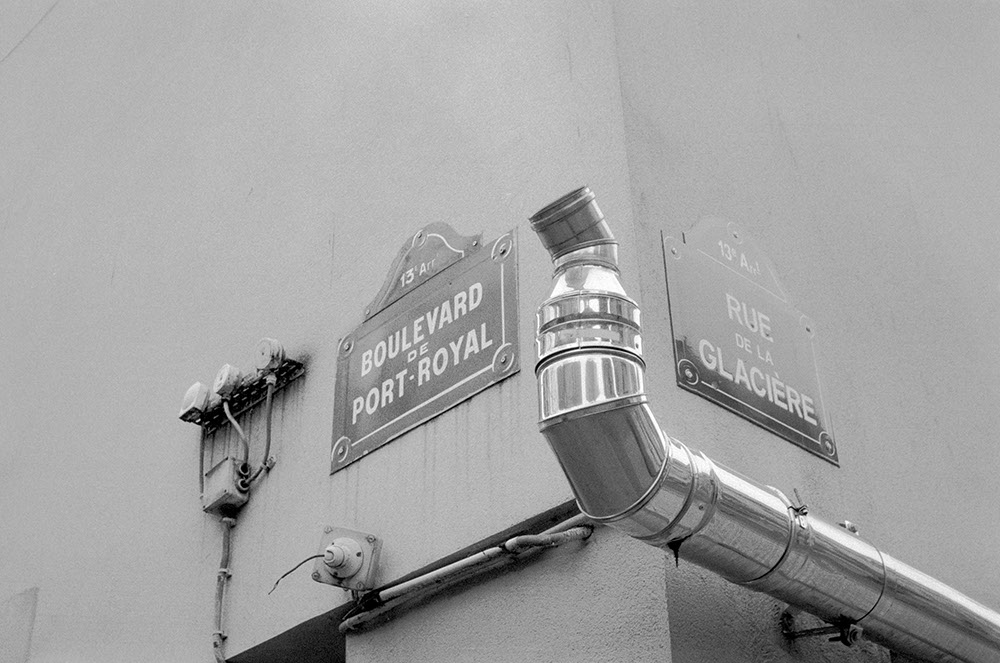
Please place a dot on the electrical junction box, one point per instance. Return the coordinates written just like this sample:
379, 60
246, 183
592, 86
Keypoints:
350, 559
219, 493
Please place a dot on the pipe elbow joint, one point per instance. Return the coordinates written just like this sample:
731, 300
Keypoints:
592, 401
627, 473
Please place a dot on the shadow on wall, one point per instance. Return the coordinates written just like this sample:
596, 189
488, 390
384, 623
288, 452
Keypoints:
711, 622
316, 640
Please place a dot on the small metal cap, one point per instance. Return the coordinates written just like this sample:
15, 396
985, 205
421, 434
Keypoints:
571, 223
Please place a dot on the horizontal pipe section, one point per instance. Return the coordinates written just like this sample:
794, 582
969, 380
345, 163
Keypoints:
925, 617
826, 570
747, 533
625, 472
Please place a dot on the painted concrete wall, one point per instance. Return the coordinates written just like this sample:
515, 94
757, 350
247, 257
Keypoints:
858, 143
179, 180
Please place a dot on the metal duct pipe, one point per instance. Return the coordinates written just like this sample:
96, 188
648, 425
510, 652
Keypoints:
625, 472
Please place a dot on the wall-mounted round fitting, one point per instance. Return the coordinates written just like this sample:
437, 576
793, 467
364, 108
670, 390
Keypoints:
343, 557
195, 402
269, 355
226, 380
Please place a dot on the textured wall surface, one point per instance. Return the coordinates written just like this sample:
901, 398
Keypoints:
858, 143
604, 602
178, 180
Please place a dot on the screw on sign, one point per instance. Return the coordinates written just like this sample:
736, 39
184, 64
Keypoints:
738, 340
445, 339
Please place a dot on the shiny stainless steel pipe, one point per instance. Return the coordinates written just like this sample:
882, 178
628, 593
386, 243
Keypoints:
625, 472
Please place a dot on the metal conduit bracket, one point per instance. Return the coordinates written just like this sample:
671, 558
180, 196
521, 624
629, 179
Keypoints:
847, 633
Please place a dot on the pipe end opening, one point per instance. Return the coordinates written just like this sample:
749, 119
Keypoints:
572, 222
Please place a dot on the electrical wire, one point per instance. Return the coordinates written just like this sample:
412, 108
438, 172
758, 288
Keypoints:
220, 588
293, 569
268, 407
239, 431
201, 464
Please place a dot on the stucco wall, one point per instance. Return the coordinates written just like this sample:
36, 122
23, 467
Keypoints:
178, 180
858, 143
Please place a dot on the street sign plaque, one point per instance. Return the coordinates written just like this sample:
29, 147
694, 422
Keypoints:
451, 334
738, 341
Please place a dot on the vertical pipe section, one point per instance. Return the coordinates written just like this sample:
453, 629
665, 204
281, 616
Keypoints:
625, 472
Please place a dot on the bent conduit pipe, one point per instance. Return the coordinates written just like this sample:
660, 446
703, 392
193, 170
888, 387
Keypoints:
625, 472
378, 602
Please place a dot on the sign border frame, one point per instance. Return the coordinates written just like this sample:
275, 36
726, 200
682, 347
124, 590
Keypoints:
506, 358
726, 400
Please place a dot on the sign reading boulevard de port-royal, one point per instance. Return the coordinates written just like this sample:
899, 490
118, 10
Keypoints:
738, 341
443, 328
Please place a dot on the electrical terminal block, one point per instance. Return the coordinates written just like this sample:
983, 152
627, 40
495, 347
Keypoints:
203, 406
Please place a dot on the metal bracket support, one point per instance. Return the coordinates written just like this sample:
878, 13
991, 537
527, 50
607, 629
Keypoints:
846, 632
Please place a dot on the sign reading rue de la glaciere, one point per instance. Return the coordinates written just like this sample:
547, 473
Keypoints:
443, 328
738, 341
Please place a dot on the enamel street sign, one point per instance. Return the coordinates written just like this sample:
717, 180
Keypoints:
444, 334
738, 341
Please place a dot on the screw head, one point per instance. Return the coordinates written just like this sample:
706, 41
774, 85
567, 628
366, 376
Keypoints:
316, 575
688, 372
